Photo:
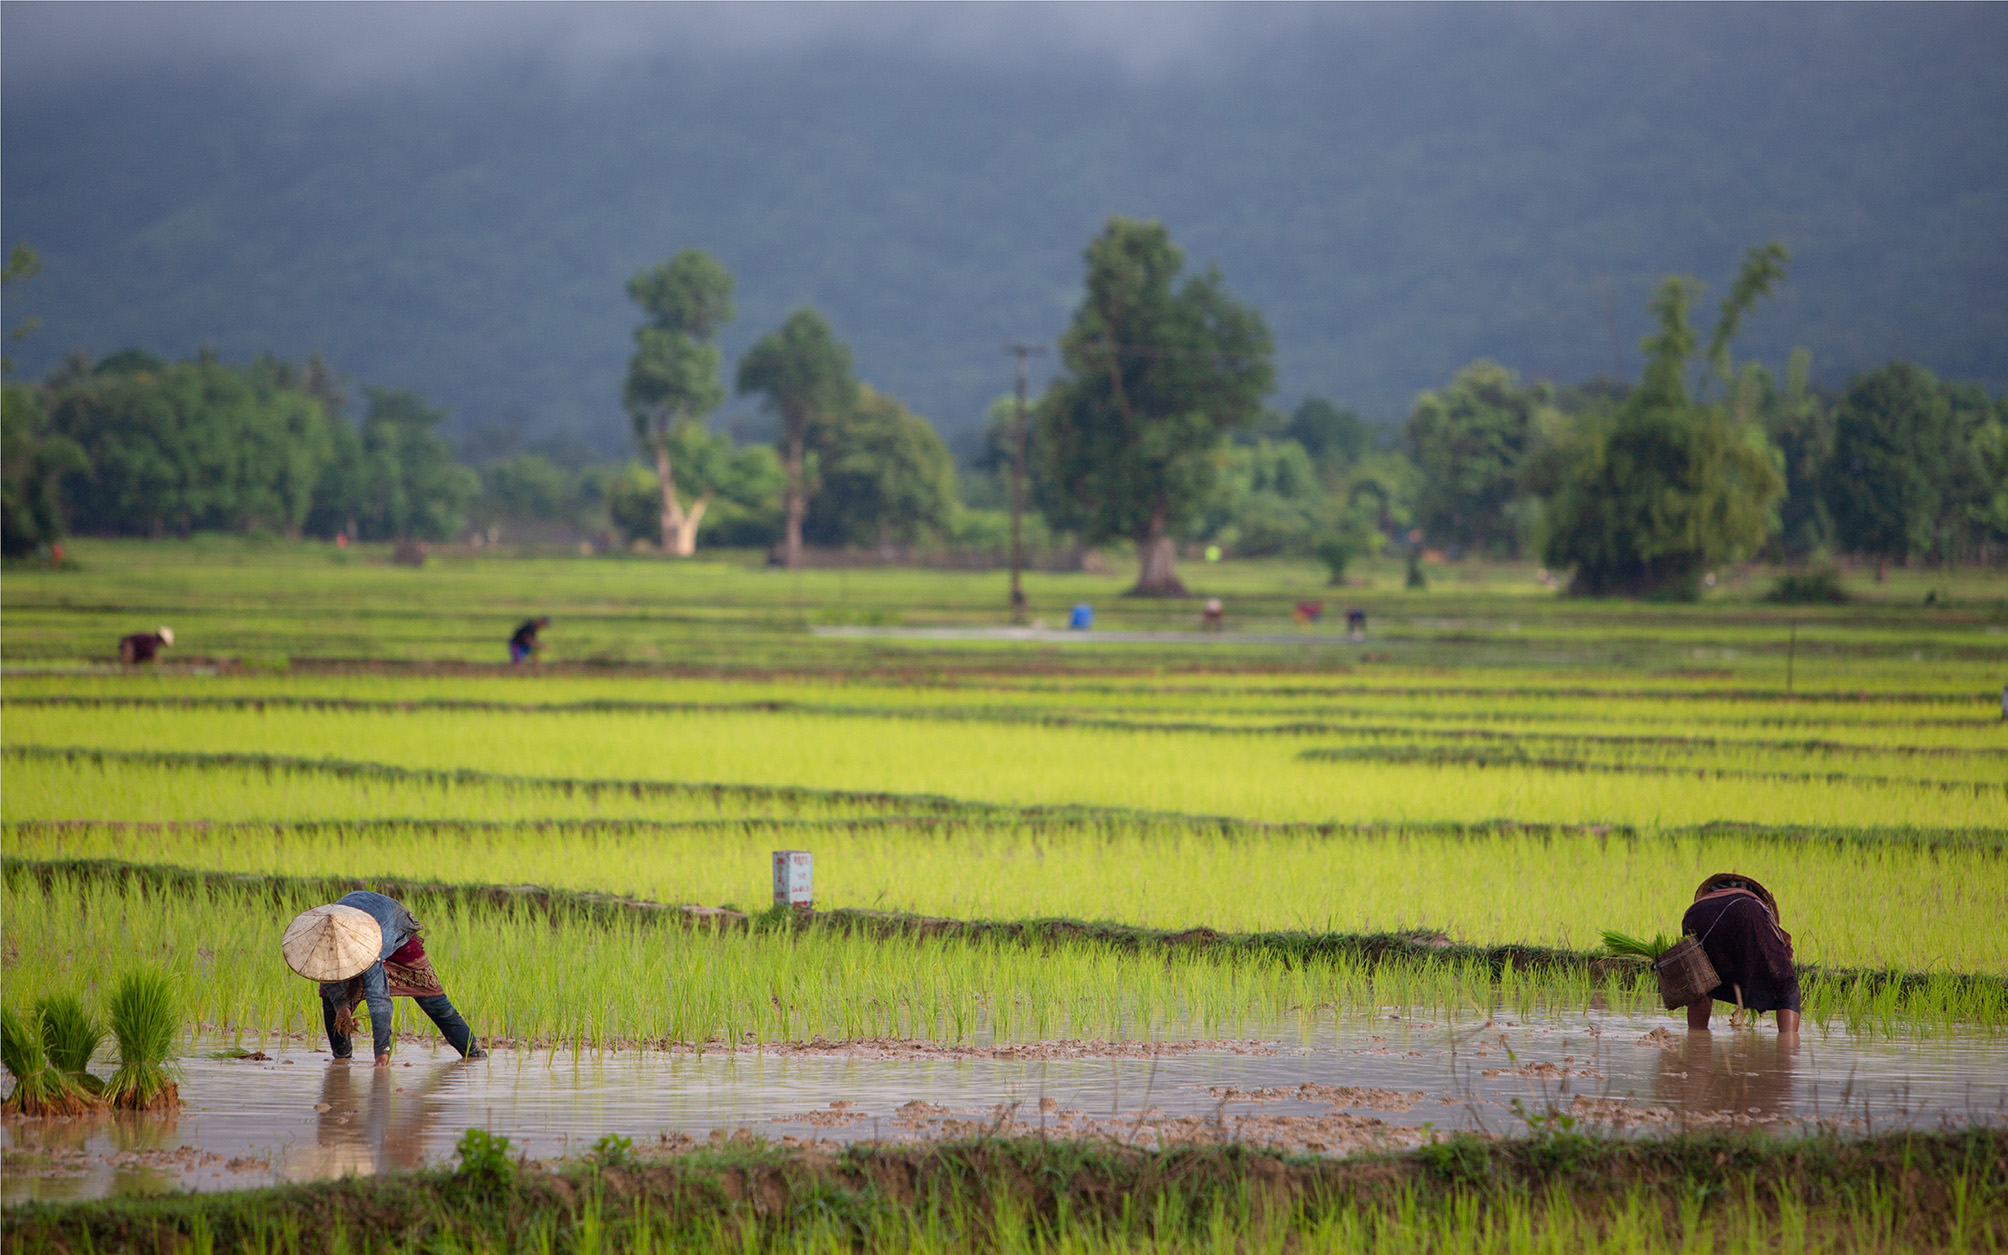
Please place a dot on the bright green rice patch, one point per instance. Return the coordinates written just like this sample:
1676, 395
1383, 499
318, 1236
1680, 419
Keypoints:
1848, 903
1187, 772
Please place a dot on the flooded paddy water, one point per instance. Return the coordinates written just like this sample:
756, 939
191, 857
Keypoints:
1335, 1089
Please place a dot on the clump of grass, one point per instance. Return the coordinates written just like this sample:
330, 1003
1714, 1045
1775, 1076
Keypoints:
144, 1019
39, 1089
1624, 943
71, 1035
1820, 586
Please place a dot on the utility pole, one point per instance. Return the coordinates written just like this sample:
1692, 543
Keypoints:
1024, 352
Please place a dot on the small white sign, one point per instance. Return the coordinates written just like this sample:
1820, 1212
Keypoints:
792, 870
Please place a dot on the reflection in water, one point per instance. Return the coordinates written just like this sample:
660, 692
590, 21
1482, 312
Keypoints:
1734, 1072
373, 1119
301, 1116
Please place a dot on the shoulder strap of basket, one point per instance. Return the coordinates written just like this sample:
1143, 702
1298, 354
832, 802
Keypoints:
1741, 897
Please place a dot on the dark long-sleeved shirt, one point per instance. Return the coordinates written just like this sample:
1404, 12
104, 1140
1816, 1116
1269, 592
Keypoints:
398, 929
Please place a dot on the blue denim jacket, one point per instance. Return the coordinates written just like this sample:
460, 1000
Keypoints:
398, 927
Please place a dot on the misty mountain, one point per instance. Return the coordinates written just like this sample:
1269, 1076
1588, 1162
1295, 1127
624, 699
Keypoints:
1399, 190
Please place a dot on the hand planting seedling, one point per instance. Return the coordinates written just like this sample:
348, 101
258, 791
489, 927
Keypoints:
39, 1089
144, 1020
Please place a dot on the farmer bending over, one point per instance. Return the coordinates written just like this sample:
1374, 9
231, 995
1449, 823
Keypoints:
524, 645
1736, 920
144, 646
365, 948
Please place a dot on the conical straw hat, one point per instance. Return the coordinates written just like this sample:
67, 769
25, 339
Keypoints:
1738, 880
331, 943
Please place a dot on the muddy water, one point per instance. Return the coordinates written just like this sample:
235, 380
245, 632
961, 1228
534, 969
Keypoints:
298, 1115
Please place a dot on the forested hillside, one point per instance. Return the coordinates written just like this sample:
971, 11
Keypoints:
1398, 193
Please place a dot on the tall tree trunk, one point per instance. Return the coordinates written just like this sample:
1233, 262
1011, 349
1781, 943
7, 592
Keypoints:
679, 526
1156, 575
685, 539
791, 534
672, 513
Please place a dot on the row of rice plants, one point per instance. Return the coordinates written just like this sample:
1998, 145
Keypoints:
1402, 696
527, 978
60, 788
1195, 773
1847, 903
1970, 753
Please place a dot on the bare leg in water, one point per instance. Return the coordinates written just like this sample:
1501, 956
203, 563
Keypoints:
1697, 1018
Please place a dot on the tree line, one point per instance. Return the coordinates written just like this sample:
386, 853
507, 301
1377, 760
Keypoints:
1156, 432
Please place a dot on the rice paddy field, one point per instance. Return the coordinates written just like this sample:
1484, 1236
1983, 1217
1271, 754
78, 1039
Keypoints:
1274, 840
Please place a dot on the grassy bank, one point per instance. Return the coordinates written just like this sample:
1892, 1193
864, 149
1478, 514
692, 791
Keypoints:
1558, 1191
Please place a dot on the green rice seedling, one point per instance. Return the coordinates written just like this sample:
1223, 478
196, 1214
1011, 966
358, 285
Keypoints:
71, 1035
144, 1020
39, 1088
1624, 943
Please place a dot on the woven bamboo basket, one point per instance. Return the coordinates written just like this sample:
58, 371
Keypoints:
1685, 973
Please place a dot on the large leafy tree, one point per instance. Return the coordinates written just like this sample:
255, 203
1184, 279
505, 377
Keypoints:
1334, 438
33, 461
1269, 500
805, 376
1640, 503
1802, 431
1157, 372
1894, 452
883, 475
672, 383
192, 445
409, 485
1468, 440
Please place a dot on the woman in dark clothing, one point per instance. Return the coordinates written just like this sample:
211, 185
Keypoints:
1736, 920
144, 646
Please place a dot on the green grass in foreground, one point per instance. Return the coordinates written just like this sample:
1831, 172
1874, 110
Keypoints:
1559, 1192
547, 972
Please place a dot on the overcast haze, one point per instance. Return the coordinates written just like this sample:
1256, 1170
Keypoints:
450, 197
336, 47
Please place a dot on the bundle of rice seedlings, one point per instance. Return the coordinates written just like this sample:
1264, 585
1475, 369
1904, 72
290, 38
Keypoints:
71, 1035
39, 1090
1624, 943
144, 1021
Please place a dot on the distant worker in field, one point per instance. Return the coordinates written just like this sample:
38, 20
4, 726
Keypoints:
1356, 623
524, 645
1213, 615
144, 646
1307, 613
366, 949
1736, 921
